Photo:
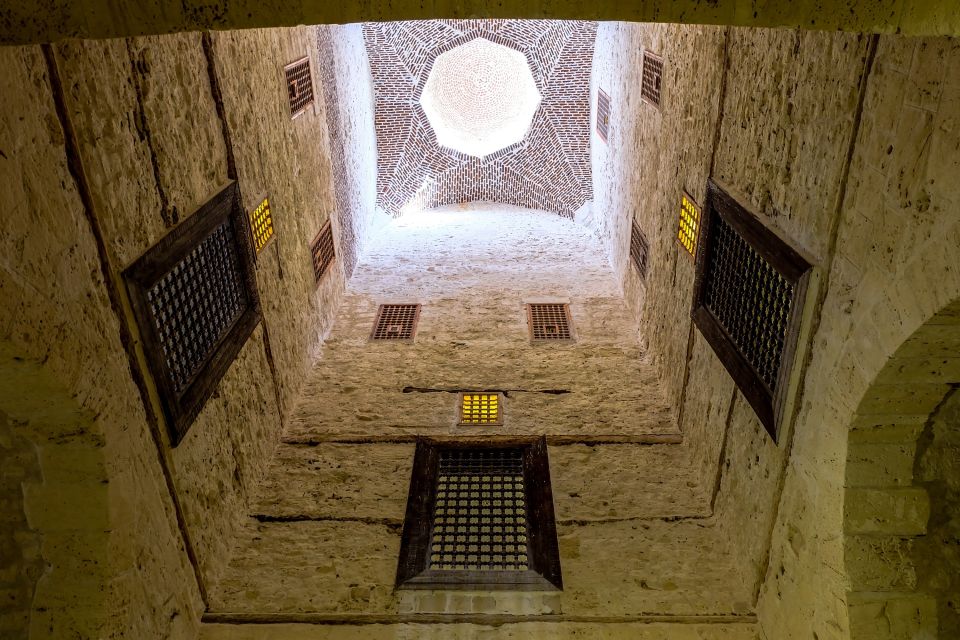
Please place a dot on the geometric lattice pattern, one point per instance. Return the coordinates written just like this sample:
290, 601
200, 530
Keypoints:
480, 516
321, 250
689, 224
261, 224
396, 322
652, 78
196, 303
480, 408
299, 86
549, 169
748, 297
639, 248
603, 114
550, 321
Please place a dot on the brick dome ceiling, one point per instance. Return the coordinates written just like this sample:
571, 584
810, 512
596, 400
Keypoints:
420, 165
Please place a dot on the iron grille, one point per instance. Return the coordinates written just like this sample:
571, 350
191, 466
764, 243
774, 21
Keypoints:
299, 86
749, 296
322, 251
689, 225
480, 408
550, 321
261, 224
603, 114
480, 516
639, 248
396, 322
195, 301
652, 78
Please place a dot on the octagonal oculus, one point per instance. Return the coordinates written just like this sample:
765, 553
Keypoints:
480, 97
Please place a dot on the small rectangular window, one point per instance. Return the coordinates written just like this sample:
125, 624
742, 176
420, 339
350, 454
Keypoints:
689, 224
321, 249
261, 224
299, 86
396, 322
652, 78
480, 516
195, 302
749, 297
550, 321
481, 409
639, 248
603, 114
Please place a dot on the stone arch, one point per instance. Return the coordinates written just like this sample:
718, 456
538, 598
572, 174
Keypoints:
56, 537
889, 474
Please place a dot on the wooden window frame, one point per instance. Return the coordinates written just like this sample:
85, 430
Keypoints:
313, 89
181, 408
637, 232
544, 573
315, 244
768, 404
569, 317
643, 64
413, 328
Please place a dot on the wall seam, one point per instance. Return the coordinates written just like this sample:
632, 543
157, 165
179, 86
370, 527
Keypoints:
822, 292
116, 298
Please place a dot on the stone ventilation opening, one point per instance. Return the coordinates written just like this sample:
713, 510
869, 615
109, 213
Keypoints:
603, 114
480, 409
196, 303
261, 225
652, 78
549, 321
639, 248
396, 322
488, 523
480, 97
299, 86
689, 224
321, 249
751, 288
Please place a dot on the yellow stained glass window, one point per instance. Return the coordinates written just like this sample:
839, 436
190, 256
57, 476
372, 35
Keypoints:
261, 223
480, 408
689, 224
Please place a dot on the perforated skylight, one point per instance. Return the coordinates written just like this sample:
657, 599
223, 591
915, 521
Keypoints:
480, 97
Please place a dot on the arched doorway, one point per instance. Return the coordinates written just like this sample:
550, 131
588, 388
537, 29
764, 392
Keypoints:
902, 496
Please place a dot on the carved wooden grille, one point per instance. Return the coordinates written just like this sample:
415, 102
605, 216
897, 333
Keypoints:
689, 225
550, 321
652, 78
639, 248
480, 408
603, 114
480, 516
396, 322
322, 251
261, 224
750, 291
195, 301
299, 86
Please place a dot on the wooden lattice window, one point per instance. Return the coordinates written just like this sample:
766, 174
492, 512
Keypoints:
481, 409
261, 225
603, 114
195, 301
480, 516
689, 224
549, 321
652, 81
299, 86
749, 297
396, 322
639, 249
321, 250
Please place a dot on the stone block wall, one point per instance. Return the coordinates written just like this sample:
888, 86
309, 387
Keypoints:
102, 159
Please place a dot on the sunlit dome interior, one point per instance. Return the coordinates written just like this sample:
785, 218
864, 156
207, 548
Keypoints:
480, 97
